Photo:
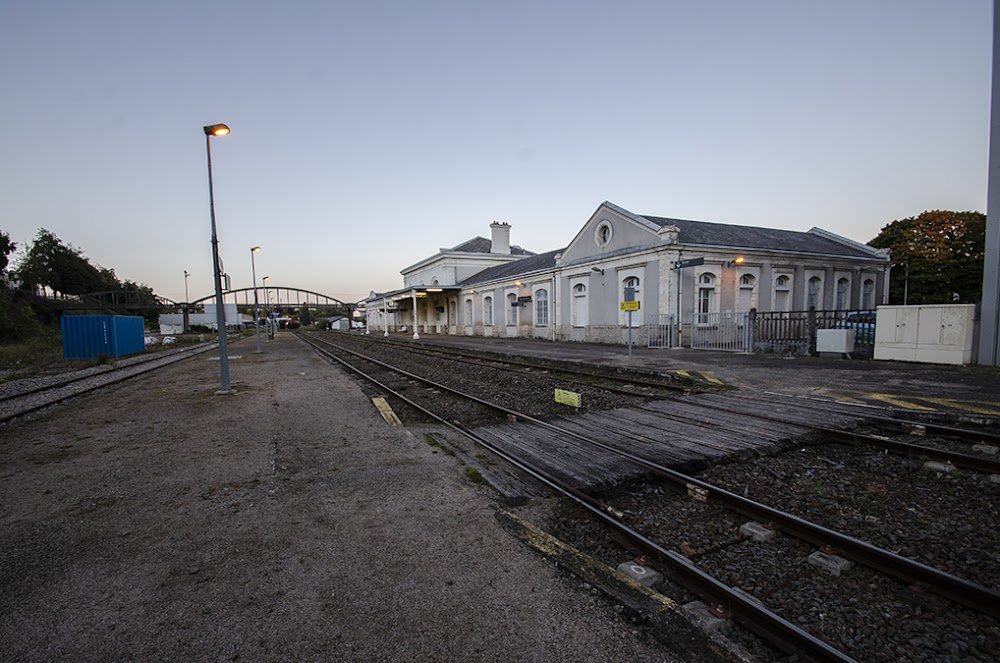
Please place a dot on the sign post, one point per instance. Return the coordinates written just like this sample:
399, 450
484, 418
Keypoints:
630, 304
678, 266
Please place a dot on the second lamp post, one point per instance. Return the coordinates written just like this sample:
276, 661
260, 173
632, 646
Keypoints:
256, 307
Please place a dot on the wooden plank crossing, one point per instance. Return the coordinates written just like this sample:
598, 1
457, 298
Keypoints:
687, 433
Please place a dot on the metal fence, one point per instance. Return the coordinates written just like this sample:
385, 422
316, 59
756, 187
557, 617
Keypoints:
795, 331
663, 332
729, 331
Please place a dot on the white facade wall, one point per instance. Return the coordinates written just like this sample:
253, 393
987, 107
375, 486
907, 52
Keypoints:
612, 248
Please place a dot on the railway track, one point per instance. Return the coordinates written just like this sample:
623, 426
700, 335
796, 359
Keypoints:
24, 397
676, 566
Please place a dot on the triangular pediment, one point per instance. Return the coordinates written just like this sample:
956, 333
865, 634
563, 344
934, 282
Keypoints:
611, 230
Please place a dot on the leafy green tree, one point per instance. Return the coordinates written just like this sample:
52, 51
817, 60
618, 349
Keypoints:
937, 257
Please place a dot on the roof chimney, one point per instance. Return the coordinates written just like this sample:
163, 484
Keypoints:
501, 237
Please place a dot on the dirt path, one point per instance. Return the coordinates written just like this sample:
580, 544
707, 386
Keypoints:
156, 521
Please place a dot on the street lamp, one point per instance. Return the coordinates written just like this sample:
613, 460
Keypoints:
267, 305
220, 309
256, 308
186, 297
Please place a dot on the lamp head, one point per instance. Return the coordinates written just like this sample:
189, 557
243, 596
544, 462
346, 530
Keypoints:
254, 249
216, 130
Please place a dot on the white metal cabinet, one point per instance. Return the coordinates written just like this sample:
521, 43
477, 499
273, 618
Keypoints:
937, 334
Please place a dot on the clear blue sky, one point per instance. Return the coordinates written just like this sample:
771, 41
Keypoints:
367, 135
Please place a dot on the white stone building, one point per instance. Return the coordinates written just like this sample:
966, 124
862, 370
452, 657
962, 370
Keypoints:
672, 267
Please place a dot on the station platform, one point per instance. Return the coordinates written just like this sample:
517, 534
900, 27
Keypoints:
962, 391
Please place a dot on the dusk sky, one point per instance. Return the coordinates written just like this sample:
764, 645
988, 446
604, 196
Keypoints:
368, 135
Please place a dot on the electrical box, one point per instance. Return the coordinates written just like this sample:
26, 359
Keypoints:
840, 341
936, 334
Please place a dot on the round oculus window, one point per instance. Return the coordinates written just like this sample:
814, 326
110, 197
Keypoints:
602, 236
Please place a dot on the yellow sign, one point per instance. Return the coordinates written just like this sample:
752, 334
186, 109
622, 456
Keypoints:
568, 397
629, 306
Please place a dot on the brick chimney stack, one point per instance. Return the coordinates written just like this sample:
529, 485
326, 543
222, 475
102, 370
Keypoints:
501, 237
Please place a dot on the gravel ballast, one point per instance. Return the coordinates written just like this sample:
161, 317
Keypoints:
156, 521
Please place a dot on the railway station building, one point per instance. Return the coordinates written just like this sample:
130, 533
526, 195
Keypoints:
627, 275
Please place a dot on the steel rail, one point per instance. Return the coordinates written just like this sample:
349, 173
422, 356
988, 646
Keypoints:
930, 427
965, 461
142, 368
507, 359
954, 588
760, 620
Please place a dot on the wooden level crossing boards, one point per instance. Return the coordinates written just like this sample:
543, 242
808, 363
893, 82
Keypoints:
686, 433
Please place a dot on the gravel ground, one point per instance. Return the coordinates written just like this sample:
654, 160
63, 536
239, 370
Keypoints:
155, 521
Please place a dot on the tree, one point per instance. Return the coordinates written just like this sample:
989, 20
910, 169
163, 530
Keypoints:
64, 269
6, 248
937, 257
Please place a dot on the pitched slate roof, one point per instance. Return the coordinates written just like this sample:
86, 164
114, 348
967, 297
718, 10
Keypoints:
750, 237
483, 245
532, 263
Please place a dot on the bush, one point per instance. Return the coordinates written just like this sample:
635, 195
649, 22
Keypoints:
17, 318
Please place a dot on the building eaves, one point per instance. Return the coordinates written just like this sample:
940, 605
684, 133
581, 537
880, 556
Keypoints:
703, 233
516, 268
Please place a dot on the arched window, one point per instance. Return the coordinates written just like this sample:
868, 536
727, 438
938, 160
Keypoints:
815, 287
512, 307
541, 307
468, 312
579, 305
488, 311
868, 294
843, 293
631, 291
706, 296
782, 287
748, 292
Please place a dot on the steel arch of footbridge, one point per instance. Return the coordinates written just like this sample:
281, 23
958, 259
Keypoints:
282, 296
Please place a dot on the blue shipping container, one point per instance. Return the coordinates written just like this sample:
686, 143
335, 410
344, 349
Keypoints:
88, 336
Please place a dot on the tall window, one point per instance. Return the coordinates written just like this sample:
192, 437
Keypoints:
782, 286
748, 292
541, 307
468, 312
580, 305
815, 286
843, 293
706, 296
630, 283
868, 294
488, 311
512, 309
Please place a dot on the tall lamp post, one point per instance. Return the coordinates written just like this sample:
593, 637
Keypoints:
256, 307
187, 298
220, 308
267, 305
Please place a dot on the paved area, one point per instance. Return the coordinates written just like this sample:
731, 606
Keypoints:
930, 388
155, 521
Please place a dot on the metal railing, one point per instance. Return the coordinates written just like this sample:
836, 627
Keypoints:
795, 331
728, 331
663, 332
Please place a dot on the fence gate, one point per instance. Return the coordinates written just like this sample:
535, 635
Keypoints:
729, 331
663, 332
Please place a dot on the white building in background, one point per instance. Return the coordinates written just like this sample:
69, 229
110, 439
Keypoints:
670, 266
173, 323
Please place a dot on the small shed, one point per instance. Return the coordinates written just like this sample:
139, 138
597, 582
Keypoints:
89, 336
